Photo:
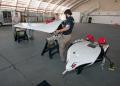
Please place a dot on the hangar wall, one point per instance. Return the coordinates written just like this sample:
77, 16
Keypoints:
101, 11
106, 17
105, 5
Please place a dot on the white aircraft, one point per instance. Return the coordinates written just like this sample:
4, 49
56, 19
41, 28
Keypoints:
82, 53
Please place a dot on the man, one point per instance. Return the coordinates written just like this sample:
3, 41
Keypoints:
56, 16
29, 31
15, 20
66, 31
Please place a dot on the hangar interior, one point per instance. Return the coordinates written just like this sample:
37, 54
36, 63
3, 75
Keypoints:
21, 64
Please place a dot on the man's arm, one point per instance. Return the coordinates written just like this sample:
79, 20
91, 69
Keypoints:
67, 27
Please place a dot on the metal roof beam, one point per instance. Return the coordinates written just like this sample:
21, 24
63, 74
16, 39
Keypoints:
39, 4
78, 3
72, 2
66, 3
0, 2
16, 4
57, 4
29, 4
48, 4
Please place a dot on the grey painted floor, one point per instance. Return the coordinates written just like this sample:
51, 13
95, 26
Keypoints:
22, 64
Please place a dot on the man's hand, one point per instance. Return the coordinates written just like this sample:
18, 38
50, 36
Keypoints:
61, 30
57, 31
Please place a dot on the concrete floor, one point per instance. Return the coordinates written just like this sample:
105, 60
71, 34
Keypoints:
21, 64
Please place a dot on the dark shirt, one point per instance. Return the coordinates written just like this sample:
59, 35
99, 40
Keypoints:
69, 21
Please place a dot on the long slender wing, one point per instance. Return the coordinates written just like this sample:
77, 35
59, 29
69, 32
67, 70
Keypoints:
49, 28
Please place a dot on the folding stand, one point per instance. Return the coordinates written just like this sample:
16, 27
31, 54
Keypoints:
50, 47
20, 34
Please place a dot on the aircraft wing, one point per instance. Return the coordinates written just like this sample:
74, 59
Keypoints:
49, 28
